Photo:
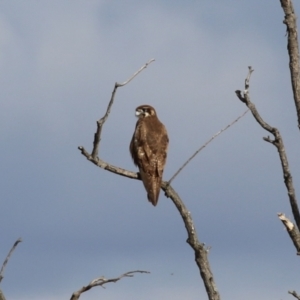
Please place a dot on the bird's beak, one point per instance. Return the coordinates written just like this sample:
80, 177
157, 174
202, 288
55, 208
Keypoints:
137, 113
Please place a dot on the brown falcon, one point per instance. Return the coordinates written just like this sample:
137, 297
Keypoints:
148, 149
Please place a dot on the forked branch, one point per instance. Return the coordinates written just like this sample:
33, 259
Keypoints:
101, 281
278, 143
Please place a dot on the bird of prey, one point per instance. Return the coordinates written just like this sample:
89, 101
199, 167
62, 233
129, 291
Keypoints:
148, 149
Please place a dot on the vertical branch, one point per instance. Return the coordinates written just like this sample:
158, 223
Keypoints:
100, 123
278, 143
290, 20
2, 297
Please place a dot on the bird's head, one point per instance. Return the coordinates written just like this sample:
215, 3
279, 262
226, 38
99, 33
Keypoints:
144, 111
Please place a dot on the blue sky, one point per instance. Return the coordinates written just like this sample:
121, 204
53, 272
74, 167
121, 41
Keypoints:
59, 61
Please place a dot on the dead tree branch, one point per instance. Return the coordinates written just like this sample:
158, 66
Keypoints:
201, 253
101, 281
2, 297
100, 123
203, 146
292, 231
19, 240
278, 143
290, 20
294, 294
108, 167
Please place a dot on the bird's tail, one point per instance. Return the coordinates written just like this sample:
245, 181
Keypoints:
154, 190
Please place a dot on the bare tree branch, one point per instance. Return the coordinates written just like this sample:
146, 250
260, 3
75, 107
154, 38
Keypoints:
203, 146
2, 297
106, 166
290, 20
292, 231
199, 249
294, 294
278, 143
201, 252
19, 240
101, 281
100, 123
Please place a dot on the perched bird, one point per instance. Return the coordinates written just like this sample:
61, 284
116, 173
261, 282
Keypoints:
148, 149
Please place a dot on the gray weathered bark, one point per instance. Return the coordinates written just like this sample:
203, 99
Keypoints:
290, 20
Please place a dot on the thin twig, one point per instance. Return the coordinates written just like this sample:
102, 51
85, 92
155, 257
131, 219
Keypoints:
100, 123
19, 240
294, 294
137, 72
278, 143
101, 281
290, 20
203, 146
